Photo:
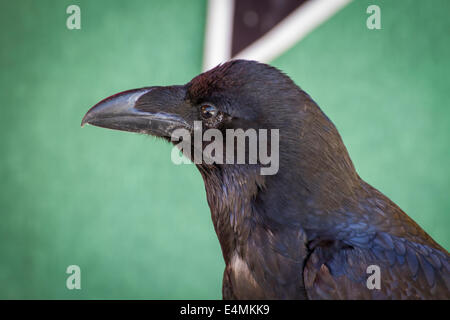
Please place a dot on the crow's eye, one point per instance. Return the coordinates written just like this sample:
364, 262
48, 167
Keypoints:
208, 111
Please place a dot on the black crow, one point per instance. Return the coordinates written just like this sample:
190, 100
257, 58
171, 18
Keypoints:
313, 230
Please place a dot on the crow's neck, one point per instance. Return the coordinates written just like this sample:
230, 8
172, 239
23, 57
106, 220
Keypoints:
231, 192
306, 194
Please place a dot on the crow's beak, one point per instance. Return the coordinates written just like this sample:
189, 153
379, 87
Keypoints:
154, 110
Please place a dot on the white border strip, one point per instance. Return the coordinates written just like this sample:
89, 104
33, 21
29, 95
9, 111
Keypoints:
219, 32
291, 29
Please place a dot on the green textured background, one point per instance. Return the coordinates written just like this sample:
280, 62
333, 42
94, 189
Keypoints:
114, 204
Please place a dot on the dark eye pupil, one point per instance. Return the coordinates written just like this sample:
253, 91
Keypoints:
208, 111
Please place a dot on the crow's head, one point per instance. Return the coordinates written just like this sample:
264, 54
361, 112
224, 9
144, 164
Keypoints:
243, 95
237, 94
